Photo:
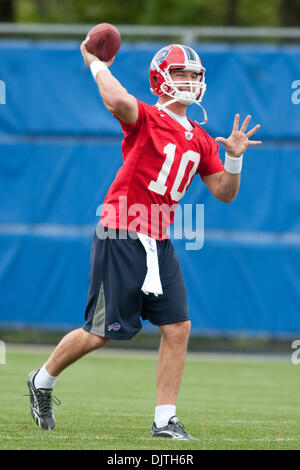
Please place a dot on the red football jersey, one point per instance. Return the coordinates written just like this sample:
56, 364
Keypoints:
160, 159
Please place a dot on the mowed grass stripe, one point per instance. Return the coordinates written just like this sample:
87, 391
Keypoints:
108, 403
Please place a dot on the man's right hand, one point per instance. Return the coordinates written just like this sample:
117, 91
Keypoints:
89, 58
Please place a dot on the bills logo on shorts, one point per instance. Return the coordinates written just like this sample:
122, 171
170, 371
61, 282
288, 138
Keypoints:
114, 327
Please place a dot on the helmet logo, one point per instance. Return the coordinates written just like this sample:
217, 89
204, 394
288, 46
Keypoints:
161, 55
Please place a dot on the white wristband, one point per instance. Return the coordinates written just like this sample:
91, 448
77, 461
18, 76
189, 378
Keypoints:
233, 164
96, 66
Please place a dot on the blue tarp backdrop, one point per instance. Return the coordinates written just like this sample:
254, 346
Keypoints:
60, 150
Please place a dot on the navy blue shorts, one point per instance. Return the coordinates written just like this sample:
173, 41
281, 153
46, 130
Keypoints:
116, 302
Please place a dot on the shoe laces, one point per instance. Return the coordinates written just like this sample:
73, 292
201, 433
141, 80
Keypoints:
179, 425
45, 400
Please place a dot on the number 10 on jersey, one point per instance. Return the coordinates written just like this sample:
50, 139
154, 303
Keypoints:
159, 186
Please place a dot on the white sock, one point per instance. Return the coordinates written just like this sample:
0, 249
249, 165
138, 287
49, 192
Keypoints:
163, 413
43, 379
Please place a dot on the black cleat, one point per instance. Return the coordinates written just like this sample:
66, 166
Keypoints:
173, 430
41, 403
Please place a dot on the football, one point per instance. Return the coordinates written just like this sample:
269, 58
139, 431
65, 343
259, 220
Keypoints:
104, 41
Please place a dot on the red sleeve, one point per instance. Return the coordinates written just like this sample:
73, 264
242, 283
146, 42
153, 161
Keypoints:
210, 161
128, 128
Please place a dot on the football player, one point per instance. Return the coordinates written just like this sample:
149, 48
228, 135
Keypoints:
134, 270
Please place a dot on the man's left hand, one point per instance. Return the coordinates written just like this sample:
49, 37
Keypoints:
237, 143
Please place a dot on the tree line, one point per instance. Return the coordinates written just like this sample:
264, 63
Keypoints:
161, 12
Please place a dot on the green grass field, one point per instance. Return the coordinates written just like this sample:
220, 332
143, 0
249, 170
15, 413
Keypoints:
108, 401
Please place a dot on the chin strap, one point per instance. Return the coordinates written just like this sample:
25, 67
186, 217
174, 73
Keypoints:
204, 113
162, 106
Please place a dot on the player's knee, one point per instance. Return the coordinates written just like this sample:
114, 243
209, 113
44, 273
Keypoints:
185, 329
94, 341
176, 332
98, 341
